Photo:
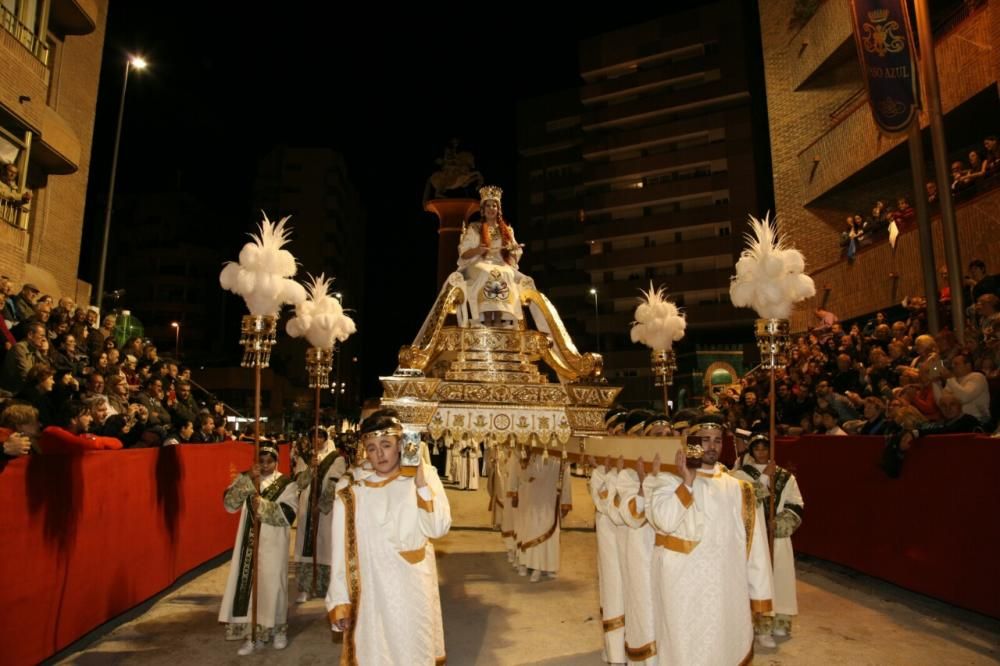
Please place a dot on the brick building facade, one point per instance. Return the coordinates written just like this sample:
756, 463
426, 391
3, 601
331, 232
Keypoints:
50, 63
829, 159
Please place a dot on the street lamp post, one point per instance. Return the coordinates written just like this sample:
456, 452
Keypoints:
177, 339
132, 62
597, 319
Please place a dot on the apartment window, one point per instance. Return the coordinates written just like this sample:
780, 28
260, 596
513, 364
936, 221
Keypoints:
724, 230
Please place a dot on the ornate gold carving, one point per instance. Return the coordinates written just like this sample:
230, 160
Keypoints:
569, 363
420, 388
418, 355
591, 394
586, 420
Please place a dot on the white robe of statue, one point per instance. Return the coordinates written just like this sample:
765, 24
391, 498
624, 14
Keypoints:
492, 282
544, 493
277, 511
711, 567
609, 570
384, 573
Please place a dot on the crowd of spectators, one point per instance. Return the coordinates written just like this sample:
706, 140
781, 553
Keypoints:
68, 384
976, 171
884, 376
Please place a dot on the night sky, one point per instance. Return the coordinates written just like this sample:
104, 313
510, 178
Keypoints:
387, 90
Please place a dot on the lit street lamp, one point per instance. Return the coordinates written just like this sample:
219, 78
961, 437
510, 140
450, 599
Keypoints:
132, 62
177, 339
597, 319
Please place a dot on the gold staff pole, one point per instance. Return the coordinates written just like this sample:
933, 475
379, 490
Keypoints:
258, 335
664, 363
772, 341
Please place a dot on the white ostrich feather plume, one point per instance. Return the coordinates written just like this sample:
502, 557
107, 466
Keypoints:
658, 323
262, 275
769, 276
320, 318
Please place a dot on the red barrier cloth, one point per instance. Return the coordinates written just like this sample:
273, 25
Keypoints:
86, 537
933, 530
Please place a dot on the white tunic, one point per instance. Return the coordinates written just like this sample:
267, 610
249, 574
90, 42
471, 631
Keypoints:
322, 543
640, 629
540, 502
710, 567
467, 466
237, 601
512, 474
609, 571
384, 574
785, 598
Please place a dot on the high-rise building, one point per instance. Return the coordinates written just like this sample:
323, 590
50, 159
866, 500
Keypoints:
646, 173
327, 219
50, 63
830, 160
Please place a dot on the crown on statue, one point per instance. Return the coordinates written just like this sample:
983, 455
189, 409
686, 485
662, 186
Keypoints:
490, 192
878, 15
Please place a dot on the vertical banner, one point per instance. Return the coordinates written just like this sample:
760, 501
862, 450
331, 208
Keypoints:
888, 60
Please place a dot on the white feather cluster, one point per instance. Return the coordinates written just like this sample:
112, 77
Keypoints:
769, 276
262, 276
320, 318
658, 323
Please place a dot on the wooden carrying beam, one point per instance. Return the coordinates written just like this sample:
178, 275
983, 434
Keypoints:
629, 448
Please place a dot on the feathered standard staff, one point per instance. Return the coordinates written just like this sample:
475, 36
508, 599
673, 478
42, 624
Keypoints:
262, 278
770, 279
320, 319
658, 325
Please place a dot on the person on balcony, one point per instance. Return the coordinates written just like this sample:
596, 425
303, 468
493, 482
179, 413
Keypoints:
10, 192
488, 256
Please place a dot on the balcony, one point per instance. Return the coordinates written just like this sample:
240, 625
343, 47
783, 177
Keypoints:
595, 173
598, 144
74, 17
58, 150
718, 277
655, 194
821, 43
641, 226
646, 80
711, 94
657, 254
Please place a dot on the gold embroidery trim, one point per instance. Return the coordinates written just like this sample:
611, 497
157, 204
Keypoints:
349, 653
338, 613
614, 623
749, 512
676, 544
440, 661
642, 652
761, 605
383, 482
636, 513
555, 523
747, 660
415, 556
504, 535
685, 496
511, 493
408, 471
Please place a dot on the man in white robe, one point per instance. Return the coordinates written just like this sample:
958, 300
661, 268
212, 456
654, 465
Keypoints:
312, 536
640, 628
508, 522
609, 567
711, 565
383, 586
787, 519
276, 508
468, 465
545, 497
